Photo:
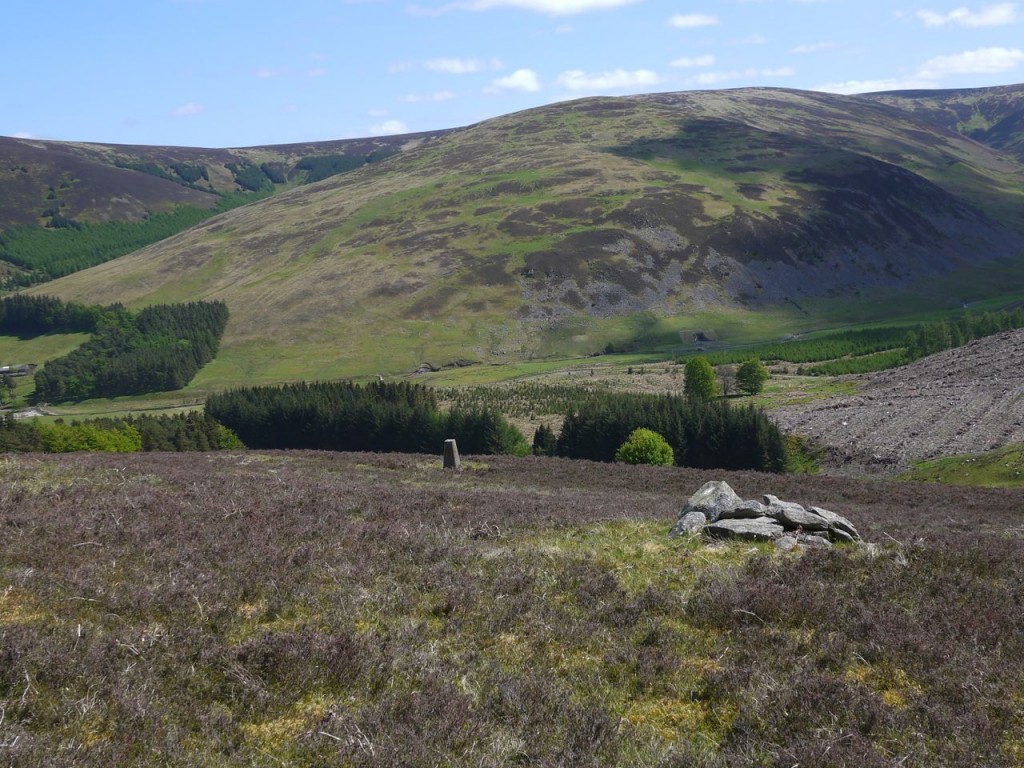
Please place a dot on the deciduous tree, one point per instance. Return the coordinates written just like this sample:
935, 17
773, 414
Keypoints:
645, 446
700, 385
751, 376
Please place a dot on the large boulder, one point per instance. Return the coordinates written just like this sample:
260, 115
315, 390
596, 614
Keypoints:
837, 522
691, 522
711, 499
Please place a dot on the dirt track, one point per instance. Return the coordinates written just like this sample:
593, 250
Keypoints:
964, 400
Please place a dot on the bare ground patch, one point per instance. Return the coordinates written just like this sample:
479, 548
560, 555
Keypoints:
964, 400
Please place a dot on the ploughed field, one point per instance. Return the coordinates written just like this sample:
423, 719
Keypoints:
964, 400
306, 608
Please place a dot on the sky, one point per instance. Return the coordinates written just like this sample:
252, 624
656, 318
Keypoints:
236, 73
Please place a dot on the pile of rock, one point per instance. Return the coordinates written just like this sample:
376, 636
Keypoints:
716, 511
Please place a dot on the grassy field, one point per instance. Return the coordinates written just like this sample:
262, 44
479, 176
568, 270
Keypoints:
1002, 468
306, 609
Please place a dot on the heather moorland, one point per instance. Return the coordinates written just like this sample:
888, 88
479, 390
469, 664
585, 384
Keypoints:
307, 608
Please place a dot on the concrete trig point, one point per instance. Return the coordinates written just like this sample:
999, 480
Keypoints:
451, 455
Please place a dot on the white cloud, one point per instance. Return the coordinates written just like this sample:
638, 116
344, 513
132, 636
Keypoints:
455, 66
715, 78
552, 7
693, 20
520, 80
812, 47
377, 113
982, 61
188, 110
694, 61
873, 86
462, 66
25, 135
265, 73
420, 98
754, 39
578, 80
992, 16
389, 127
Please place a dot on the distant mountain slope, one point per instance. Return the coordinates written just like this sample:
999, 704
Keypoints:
561, 228
113, 182
992, 116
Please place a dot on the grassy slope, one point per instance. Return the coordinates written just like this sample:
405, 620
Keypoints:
1002, 468
371, 610
421, 258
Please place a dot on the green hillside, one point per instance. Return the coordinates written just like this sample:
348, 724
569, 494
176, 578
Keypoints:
566, 229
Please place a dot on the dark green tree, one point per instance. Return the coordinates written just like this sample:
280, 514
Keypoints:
545, 443
6, 389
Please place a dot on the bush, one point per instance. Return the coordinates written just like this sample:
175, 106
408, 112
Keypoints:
646, 447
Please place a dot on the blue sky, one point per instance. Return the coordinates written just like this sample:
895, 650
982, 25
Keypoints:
232, 73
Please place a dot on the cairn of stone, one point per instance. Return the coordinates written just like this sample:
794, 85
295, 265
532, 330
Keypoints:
451, 456
717, 512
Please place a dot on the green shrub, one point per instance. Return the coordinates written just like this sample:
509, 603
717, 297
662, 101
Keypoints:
644, 446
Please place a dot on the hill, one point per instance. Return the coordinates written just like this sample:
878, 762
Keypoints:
88, 182
569, 228
964, 400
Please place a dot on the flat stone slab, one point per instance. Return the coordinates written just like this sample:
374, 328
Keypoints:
793, 517
748, 510
756, 529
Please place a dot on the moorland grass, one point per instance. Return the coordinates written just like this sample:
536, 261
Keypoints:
373, 610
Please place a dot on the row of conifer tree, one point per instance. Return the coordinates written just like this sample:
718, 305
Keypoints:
157, 350
701, 434
343, 416
195, 431
405, 417
22, 315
